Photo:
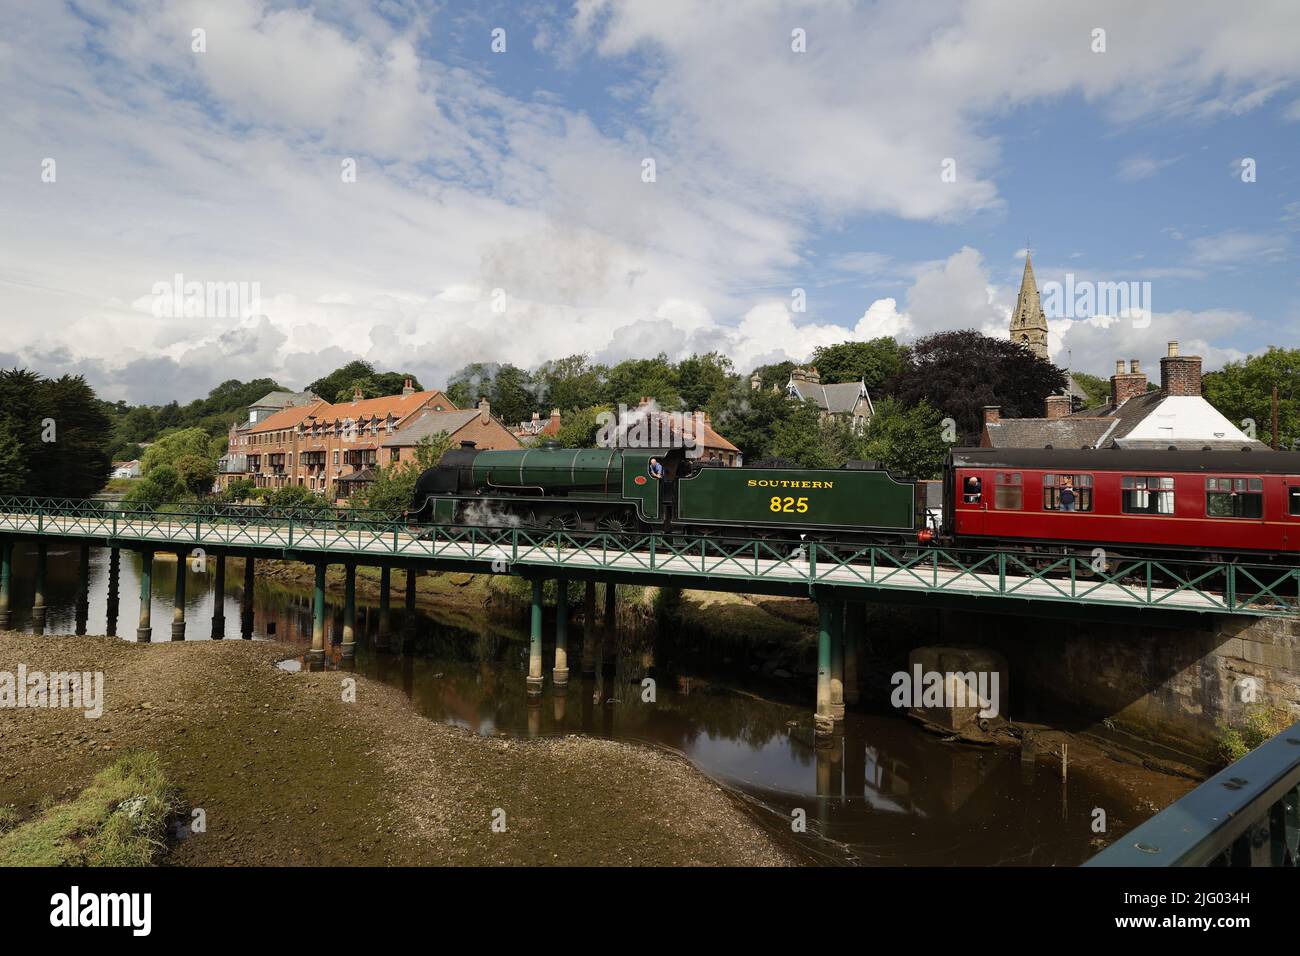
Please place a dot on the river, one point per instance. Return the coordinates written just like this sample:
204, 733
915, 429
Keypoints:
883, 792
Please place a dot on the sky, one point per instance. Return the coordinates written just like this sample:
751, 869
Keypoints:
426, 185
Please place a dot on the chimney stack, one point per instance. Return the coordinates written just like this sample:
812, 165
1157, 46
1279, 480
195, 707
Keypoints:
484, 410
555, 417
1180, 374
407, 387
755, 383
1125, 385
356, 394
1058, 406
992, 413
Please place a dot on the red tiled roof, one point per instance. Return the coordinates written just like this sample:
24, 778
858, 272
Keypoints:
399, 406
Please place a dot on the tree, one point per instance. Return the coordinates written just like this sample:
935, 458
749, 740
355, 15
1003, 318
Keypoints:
578, 428
13, 471
811, 441
571, 383
169, 449
907, 441
959, 373
394, 484
161, 486
239, 489
1244, 390
777, 374
874, 362
628, 382
703, 381
296, 498
750, 419
196, 473
1095, 387
341, 378
60, 427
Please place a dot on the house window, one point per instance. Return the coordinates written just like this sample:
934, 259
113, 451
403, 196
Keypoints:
1144, 495
396, 455
1008, 491
1235, 497
336, 456
1080, 485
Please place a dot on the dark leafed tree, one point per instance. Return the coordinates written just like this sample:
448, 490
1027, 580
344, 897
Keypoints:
13, 470
777, 374
1244, 391
751, 417
959, 373
703, 381
874, 362
329, 385
571, 383
61, 428
629, 382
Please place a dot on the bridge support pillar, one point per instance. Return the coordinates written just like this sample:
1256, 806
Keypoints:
83, 588
589, 631
6, 570
114, 579
535, 679
855, 622
178, 613
219, 600
610, 632
561, 672
38, 604
246, 600
837, 660
316, 656
349, 610
144, 631
823, 718
385, 612
408, 617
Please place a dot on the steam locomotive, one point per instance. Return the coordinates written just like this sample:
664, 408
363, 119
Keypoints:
1209, 502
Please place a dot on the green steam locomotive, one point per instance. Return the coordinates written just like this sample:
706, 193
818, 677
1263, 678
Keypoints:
625, 490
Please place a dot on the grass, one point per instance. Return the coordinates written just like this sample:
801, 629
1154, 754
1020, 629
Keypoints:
119, 820
1260, 724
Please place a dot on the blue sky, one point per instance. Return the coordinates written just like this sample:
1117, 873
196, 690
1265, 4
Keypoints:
499, 212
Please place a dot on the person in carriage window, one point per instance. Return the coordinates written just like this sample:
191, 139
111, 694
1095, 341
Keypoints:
656, 469
972, 490
1068, 497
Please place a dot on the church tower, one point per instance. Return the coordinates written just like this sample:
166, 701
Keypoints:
1028, 324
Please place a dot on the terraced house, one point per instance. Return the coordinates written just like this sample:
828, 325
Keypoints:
326, 447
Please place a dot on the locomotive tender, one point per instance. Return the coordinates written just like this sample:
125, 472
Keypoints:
1211, 502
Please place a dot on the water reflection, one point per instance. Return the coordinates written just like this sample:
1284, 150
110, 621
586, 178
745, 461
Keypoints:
882, 792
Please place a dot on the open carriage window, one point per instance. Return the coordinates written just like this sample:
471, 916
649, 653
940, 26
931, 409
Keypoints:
1235, 498
1067, 492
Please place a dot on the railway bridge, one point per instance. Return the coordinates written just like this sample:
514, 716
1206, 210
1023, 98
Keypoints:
840, 577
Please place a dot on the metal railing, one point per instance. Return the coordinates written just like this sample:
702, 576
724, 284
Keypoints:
1247, 814
1198, 586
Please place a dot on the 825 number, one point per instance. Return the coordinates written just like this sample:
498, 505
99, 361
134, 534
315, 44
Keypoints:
788, 505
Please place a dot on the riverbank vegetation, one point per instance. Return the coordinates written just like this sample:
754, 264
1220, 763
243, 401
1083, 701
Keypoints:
121, 819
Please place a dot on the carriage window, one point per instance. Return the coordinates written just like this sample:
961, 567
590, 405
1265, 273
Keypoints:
972, 489
1056, 498
1148, 496
1008, 492
1294, 494
1236, 497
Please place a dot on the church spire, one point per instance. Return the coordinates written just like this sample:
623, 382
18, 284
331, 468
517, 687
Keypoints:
1028, 323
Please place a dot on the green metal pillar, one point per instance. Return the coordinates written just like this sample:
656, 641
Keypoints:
385, 616
219, 600
6, 562
83, 589
246, 599
535, 679
114, 580
349, 610
178, 611
144, 632
561, 672
38, 604
837, 660
589, 631
317, 653
823, 719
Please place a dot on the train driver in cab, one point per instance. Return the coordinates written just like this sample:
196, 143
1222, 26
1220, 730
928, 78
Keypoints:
972, 490
656, 469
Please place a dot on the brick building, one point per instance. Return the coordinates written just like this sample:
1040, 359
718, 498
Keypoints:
317, 444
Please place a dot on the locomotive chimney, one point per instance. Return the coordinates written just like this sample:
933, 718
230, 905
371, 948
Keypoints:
1180, 374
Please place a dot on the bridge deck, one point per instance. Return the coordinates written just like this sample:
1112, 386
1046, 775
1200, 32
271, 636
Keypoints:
1203, 587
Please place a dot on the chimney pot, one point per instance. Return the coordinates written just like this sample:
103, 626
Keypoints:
1119, 366
1134, 366
1173, 349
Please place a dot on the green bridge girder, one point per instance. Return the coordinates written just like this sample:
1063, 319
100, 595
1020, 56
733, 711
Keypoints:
992, 580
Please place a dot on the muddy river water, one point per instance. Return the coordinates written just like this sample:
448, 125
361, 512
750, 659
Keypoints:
883, 792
